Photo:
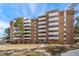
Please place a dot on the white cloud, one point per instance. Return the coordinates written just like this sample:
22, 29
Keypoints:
20, 10
23, 10
1, 32
3, 26
33, 7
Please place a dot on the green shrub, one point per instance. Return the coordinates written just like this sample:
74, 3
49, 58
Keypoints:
56, 50
34, 53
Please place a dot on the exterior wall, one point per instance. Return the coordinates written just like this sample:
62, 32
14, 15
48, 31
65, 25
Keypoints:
28, 30
65, 34
42, 29
55, 27
17, 36
25, 37
34, 31
76, 32
61, 27
46, 28
69, 27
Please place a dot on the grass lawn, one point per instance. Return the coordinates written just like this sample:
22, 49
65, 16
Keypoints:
17, 46
25, 46
21, 46
27, 49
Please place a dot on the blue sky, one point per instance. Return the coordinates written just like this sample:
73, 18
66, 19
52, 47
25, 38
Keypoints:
9, 11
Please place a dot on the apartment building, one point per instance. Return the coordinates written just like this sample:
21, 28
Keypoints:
69, 26
42, 29
15, 34
60, 26
76, 32
27, 33
55, 27
76, 35
34, 30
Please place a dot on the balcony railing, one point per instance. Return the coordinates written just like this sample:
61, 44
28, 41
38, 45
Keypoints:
42, 18
55, 23
41, 37
53, 37
16, 38
55, 28
53, 14
53, 19
27, 35
27, 21
42, 22
27, 38
26, 31
41, 34
42, 26
27, 24
42, 30
53, 33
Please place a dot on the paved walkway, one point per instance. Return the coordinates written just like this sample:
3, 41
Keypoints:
71, 53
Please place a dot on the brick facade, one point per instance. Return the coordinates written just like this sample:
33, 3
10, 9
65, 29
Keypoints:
48, 28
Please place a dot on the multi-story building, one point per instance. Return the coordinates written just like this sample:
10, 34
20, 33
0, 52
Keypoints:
76, 32
56, 27
27, 33
34, 31
60, 26
69, 26
21, 36
42, 29
76, 35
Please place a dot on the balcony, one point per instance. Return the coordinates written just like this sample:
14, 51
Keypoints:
27, 21
53, 19
27, 35
27, 27
42, 34
53, 33
41, 37
41, 22
53, 14
27, 24
54, 23
55, 28
42, 18
43, 26
27, 38
54, 38
64, 29
42, 30
64, 33
76, 37
17, 35
26, 31
15, 31
64, 24
64, 38
16, 38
